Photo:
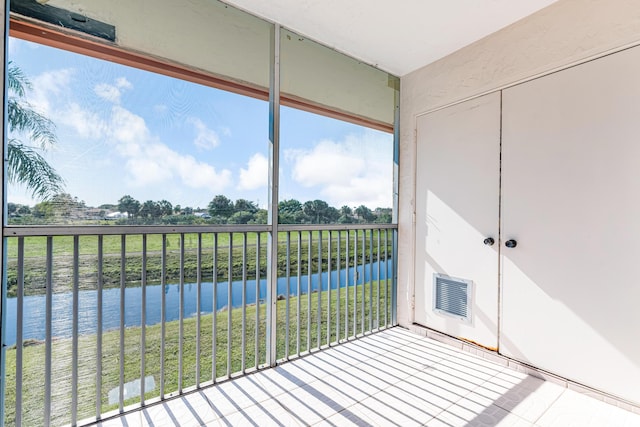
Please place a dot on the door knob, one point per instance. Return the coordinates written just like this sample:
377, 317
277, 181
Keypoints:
489, 241
511, 243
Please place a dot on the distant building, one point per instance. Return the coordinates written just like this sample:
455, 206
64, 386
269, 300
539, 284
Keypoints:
116, 215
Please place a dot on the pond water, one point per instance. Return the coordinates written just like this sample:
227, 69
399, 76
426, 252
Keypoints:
35, 307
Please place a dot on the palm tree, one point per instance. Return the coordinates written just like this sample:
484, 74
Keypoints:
25, 164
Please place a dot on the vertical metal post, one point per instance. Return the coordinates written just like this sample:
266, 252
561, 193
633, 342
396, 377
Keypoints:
287, 316
74, 331
181, 315
394, 219
257, 340
319, 308
123, 273
371, 280
378, 284
214, 309
99, 330
355, 282
163, 312
386, 277
309, 283
19, 325
299, 292
346, 287
272, 220
47, 339
364, 277
3, 219
329, 289
198, 304
338, 267
229, 302
244, 303
143, 319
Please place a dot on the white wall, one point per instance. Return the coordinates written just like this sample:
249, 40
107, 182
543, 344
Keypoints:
567, 32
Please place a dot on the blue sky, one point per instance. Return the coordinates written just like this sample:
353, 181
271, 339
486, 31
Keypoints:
126, 131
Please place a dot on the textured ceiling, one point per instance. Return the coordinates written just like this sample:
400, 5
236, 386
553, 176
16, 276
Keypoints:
399, 36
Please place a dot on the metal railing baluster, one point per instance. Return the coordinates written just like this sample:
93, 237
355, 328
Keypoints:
243, 344
181, 315
48, 326
355, 283
378, 284
143, 319
299, 292
319, 308
198, 304
346, 286
19, 332
257, 343
229, 303
370, 280
386, 278
364, 278
329, 288
287, 315
214, 309
74, 331
309, 285
339, 293
99, 329
123, 250
163, 313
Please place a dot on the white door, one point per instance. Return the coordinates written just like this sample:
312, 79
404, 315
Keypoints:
456, 210
571, 200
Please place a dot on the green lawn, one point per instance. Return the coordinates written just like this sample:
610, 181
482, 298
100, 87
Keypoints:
34, 355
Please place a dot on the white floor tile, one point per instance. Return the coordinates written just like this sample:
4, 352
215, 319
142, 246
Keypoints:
129, 420
393, 378
269, 413
467, 414
575, 409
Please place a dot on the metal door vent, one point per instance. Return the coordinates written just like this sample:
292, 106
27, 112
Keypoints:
452, 297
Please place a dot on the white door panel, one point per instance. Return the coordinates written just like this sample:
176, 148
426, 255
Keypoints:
571, 198
457, 184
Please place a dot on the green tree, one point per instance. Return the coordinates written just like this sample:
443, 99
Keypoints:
221, 206
319, 212
290, 212
25, 163
12, 208
150, 209
364, 213
166, 208
24, 210
245, 205
241, 217
129, 205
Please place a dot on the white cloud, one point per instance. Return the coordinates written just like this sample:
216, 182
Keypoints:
85, 123
108, 92
112, 93
256, 175
123, 83
353, 172
49, 85
148, 161
206, 138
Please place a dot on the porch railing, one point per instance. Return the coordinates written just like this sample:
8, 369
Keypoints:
102, 320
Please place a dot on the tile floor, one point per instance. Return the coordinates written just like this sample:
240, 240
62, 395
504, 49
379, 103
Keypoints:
391, 378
